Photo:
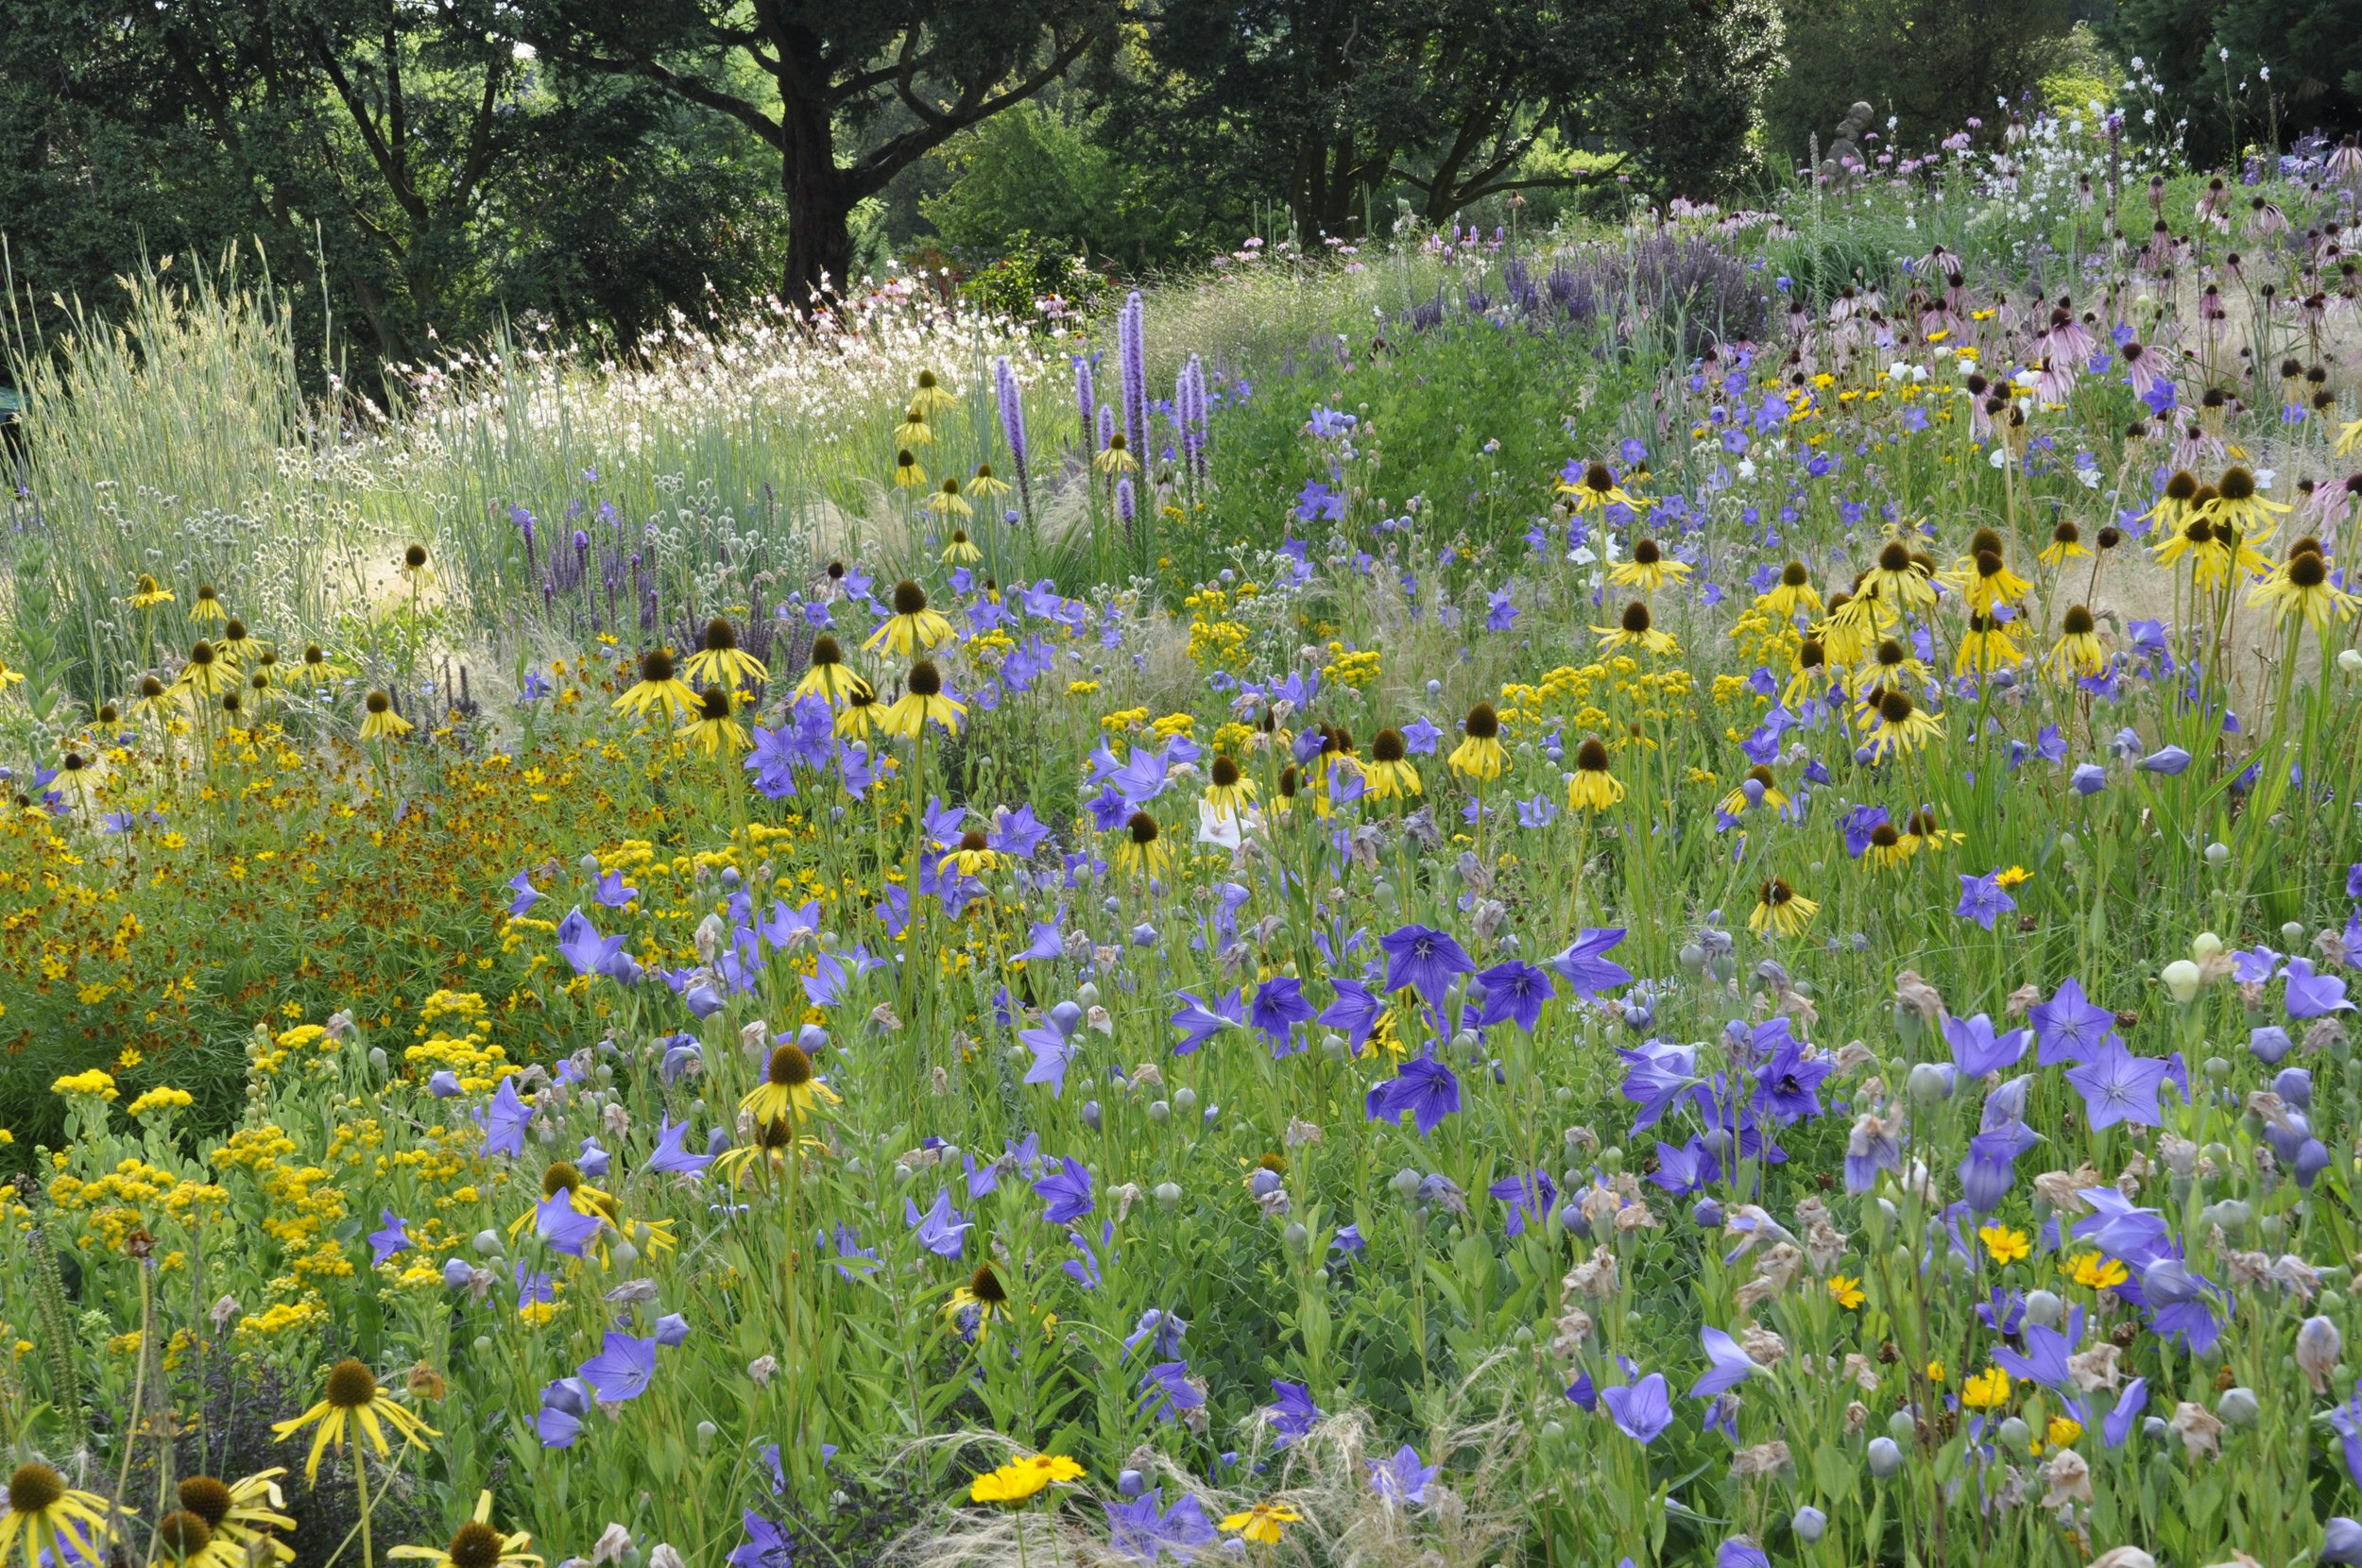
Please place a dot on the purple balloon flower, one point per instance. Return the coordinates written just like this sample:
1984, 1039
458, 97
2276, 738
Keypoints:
1422, 1087
1425, 959
621, 1370
2118, 1086
1641, 1410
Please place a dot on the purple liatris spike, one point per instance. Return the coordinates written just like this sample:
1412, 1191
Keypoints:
1131, 364
1085, 396
1012, 408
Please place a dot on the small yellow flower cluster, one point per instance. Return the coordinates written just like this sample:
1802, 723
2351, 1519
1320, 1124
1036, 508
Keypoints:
161, 1098
1355, 668
285, 1318
95, 1083
272, 1057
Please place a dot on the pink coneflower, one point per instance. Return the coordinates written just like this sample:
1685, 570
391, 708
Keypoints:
2141, 370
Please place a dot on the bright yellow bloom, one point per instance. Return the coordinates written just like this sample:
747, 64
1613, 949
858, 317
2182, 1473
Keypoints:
1903, 726
1636, 630
2078, 653
379, 721
1780, 907
1593, 788
149, 592
1985, 647
828, 678
713, 731
1848, 1291
971, 856
1649, 570
95, 1082
48, 1521
913, 629
207, 674
1022, 1478
2301, 585
1899, 578
2098, 1271
1116, 458
913, 431
931, 395
961, 550
477, 1545
240, 1518
1986, 1390
1597, 490
722, 662
1480, 754
922, 703
1262, 1522
2240, 507
2003, 1244
1141, 848
908, 474
208, 610
946, 502
353, 1397
2061, 1430
658, 689
788, 1089
1231, 791
1793, 593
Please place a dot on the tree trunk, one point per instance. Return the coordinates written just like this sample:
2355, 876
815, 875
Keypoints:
819, 205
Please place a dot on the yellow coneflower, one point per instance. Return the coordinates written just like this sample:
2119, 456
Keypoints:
771, 1141
971, 856
1900, 578
1987, 646
913, 629
986, 483
1889, 849
208, 608
1993, 584
476, 1544
1924, 833
1480, 754
1115, 458
789, 1091
1810, 676
1231, 793
1735, 802
1779, 908
379, 721
154, 699
1892, 664
931, 395
2173, 509
961, 550
1141, 847
1636, 630
722, 662
49, 1522
235, 643
714, 731
2350, 439
1849, 629
2241, 507
149, 593
2301, 585
2067, 544
1593, 788
922, 703
207, 674
946, 502
913, 431
1793, 593
1290, 782
983, 1294
2189, 538
241, 1519
413, 568
1903, 726
315, 670
659, 689
1390, 774
828, 678
861, 714
1649, 570
1597, 490
2229, 551
908, 474
2078, 653
354, 1399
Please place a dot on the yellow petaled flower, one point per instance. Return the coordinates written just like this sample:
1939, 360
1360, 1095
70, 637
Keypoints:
722, 662
1593, 788
1847, 1291
913, 629
1986, 1390
1262, 1522
2061, 1430
1793, 593
1116, 458
986, 483
908, 475
713, 731
1480, 754
1935, 1372
239, 1519
788, 1089
1903, 727
1141, 848
1852, 627
2016, 876
1811, 675
161, 1100
1022, 1478
95, 1082
2003, 1245
946, 502
1890, 849
379, 721
477, 1545
353, 1398
1779, 908
207, 674
922, 703
2240, 507
913, 431
931, 395
1986, 646
2301, 585
1636, 630
1231, 793
1773, 798
2098, 1271
48, 1521
2078, 653
1993, 584
1597, 490
2067, 544
971, 856
149, 592
2192, 537
862, 716
1649, 570
984, 1295
828, 678
208, 609
961, 550
659, 689
2350, 439
1900, 578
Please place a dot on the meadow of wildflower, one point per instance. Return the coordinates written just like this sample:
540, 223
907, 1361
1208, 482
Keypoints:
1673, 895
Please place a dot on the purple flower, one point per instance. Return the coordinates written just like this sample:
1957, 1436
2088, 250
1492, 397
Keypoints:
566, 1229
504, 1121
564, 1403
526, 894
1788, 1085
1138, 1531
2168, 760
1641, 1410
1585, 964
2129, 1407
2310, 996
1200, 1023
671, 1330
1051, 1050
1422, 1087
1740, 1552
1067, 1193
1401, 1479
1513, 991
1528, 1198
767, 1544
671, 1158
1984, 899
393, 1239
1426, 959
1988, 1170
1355, 1011
1729, 1366
942, 1230
2068, 1026
1278, 1008
1684, 1170
1976, 1052
580, 945
1292, 1413
1166, 1390
2118, 1086
621, 1371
